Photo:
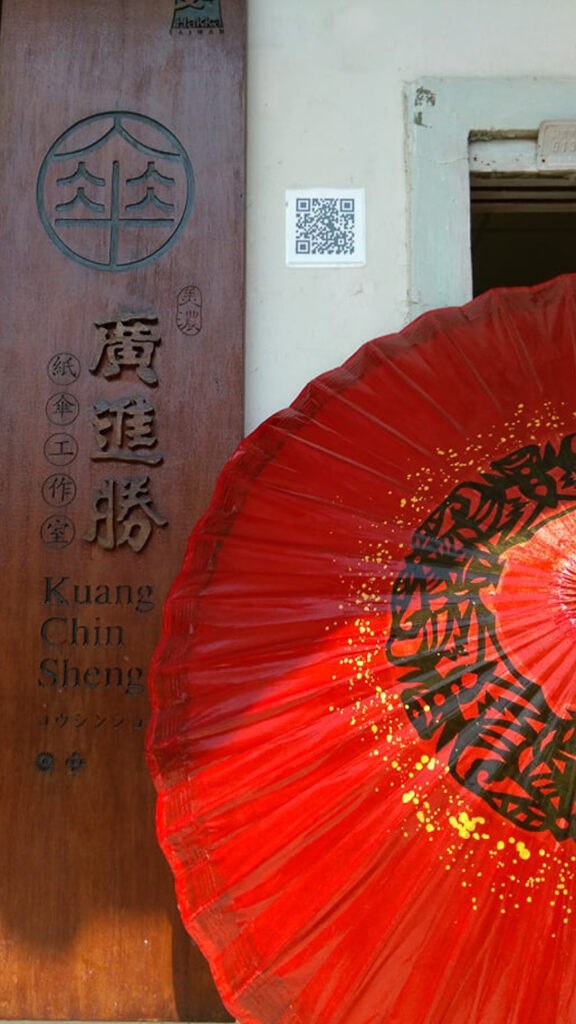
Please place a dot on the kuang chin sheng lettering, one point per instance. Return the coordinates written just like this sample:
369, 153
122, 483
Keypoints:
62, 591
60, 630
61, 674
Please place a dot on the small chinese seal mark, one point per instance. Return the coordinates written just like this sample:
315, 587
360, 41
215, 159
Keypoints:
75, 763
60, 449
197, 16
189, 310
58, 490
62, 409
63, 369
115, 190
45, 762
57, 532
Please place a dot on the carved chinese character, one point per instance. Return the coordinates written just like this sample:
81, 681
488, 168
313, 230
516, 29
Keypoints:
124, 430
123, 513
127, 343
60, 449
57, 532
64, 368
59, 489
62, 409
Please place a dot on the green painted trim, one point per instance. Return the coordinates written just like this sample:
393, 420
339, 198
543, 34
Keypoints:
440, 115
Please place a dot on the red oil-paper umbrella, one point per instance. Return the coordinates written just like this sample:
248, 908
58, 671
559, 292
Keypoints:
363, 727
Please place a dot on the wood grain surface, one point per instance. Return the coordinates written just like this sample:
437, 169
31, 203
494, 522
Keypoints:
105, 470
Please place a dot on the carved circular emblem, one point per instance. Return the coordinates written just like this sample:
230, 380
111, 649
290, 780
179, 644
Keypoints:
115, 190
45, 761
484, 635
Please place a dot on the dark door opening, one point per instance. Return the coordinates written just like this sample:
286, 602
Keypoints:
523, 228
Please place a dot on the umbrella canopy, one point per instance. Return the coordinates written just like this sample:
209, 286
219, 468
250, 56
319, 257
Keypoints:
363, 728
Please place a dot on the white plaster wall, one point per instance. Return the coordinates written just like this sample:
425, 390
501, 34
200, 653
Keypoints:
325, 107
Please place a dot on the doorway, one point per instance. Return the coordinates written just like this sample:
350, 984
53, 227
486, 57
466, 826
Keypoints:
522, 228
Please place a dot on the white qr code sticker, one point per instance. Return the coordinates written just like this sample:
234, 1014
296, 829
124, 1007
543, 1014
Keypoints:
325, 227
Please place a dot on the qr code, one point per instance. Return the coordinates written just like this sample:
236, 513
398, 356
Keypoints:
325, 227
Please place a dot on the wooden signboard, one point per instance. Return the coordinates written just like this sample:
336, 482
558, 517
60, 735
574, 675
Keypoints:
121, 191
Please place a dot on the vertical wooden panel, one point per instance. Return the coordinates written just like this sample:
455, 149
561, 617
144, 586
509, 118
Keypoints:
121, 367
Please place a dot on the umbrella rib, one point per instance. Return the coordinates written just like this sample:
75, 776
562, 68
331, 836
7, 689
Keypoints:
421, 392
338, 457
320, 499
339, 397
503, 308
474, 372
568, 322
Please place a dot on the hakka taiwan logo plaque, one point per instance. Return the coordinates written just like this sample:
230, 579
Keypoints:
197, 16
115, 190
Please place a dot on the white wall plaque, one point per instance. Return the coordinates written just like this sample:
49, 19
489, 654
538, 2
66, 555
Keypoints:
325, 227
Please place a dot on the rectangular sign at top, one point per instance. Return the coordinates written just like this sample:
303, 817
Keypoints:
197, 16
556, 147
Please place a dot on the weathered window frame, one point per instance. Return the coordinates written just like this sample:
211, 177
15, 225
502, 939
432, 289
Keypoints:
442, 115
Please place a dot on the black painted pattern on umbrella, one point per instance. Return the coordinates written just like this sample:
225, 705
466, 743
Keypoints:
507, 744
